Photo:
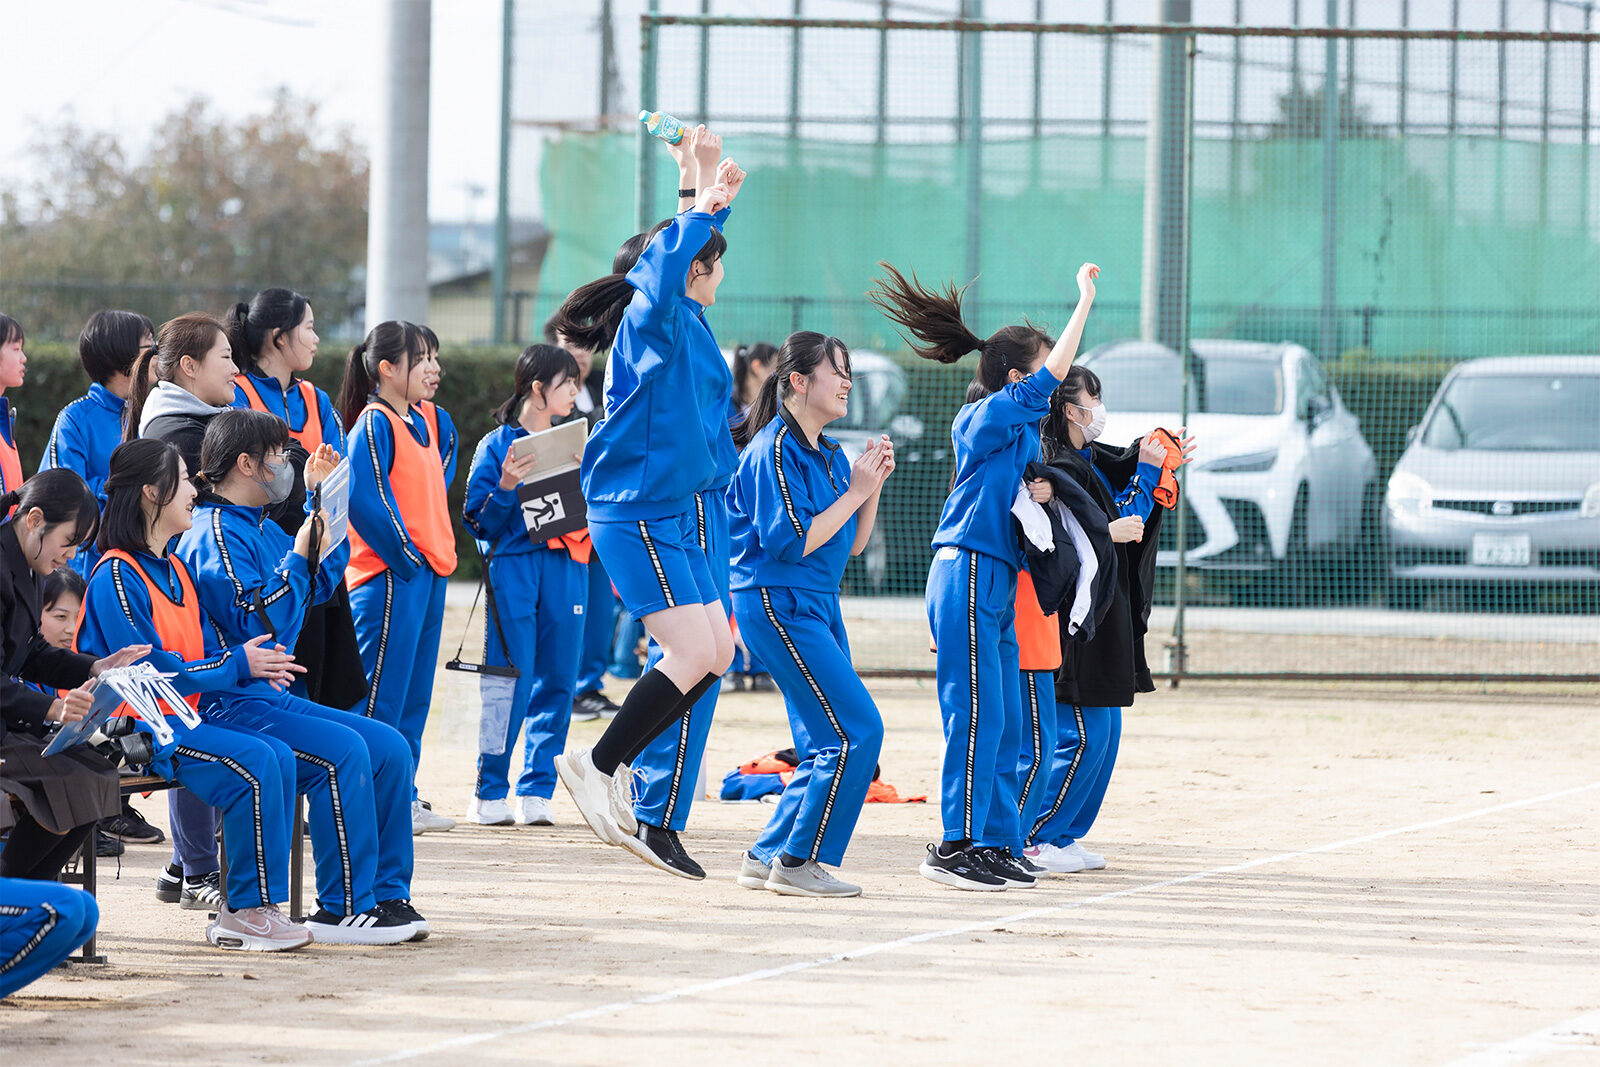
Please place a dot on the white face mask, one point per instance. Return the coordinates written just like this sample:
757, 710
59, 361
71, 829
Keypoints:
1097, 423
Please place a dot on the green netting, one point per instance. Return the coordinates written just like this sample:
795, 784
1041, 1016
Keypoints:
1466, 223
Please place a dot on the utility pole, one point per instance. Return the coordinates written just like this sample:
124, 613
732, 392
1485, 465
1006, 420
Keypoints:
501, 276
397, 227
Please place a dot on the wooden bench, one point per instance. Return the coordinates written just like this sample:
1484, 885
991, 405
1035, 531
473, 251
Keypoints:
86, 873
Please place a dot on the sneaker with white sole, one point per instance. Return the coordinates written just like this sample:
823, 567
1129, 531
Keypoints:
375, 926
256, 930
1054, 859
534, 811
591, 792
403, 910
203, 893
624, 795
810, 879
1003, 864
1092, 861
424, 821
169, 884
663, 850
487, 812
753, 874
960, 869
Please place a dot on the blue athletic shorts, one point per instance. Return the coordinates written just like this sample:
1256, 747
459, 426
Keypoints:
656, 563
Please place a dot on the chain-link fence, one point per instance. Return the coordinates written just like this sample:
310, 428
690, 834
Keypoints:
1368, 220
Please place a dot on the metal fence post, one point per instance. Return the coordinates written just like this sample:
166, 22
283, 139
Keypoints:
500, 276
648, 29
1329, 332
972, 136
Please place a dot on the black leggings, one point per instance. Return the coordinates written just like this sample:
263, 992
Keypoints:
35, 853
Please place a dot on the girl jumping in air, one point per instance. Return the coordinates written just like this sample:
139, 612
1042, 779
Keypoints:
973, 580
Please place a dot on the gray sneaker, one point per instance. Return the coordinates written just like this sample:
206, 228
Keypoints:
753, 873
810, 879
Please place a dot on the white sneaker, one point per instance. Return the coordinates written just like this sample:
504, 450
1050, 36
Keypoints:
591, 792
534, 811
622, 800
424, 821
1053, 859
1091, 861
487, 812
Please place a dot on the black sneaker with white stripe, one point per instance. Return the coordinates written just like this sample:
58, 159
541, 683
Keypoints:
960, 868
169, 884
375, 926
1004, 865
586, 707
662, 849
203, 893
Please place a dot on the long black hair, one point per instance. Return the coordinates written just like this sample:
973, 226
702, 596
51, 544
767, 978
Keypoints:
592, 313
253, 326
538, 363
134, 465
10, 330
109, 343
743, 356
238, 433
1057, 437
393, 342
932, 318
801, 353
61, 496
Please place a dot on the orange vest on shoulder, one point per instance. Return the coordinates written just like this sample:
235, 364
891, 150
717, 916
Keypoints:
177, 623
1038, 634
10, 465
310, 435
416, 477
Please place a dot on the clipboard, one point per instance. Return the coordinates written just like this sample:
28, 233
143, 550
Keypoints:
106, 702
333, 497
554, 448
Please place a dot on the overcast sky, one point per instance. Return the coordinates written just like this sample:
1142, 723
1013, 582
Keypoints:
122, 64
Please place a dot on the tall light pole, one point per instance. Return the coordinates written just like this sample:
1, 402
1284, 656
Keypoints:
397, 224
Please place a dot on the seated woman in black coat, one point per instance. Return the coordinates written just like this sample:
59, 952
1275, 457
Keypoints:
55, 800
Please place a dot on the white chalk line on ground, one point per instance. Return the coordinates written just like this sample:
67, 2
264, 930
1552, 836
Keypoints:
748, 977
1575, 1035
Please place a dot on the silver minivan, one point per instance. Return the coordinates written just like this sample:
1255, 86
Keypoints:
1501, 480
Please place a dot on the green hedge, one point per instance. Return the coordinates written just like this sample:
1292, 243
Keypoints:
1388, 398
476, 381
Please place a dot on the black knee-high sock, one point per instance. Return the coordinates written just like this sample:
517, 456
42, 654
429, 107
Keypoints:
652, 696
690, 699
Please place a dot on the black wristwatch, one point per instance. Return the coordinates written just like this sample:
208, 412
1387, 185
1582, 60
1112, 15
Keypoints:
689, 193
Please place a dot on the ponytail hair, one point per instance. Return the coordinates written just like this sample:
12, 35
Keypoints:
134, 465
592, 314
189, 335
932, 319
1056, 437
801, 353
743, 356
255, 325
537, 363
62, 496
393, 342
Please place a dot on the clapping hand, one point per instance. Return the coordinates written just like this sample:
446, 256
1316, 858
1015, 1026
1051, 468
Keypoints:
320, 464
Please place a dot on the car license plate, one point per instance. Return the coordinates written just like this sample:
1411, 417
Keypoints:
1501, 550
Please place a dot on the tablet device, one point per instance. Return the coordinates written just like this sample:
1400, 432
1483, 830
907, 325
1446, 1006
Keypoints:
554, 448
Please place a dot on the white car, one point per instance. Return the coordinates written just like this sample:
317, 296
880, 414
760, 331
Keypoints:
1281, 473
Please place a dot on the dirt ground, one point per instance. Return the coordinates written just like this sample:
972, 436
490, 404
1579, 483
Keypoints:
1308, 874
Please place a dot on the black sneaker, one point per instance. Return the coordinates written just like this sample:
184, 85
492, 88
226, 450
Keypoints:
130, 826
203, 893
402, 909
375, 926
1004, 865
106, 846
586, 707
1028, 865
169, 884
761, 682
961, 869
662, 849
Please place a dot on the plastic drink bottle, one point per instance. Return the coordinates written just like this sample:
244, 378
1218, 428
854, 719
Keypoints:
662, 125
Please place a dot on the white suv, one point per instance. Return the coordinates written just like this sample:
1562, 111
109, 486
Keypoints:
1281, 473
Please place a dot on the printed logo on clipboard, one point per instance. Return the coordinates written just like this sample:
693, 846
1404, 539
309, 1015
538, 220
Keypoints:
552, 495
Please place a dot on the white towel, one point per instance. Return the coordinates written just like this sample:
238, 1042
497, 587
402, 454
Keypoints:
1088, 567
1035, 523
